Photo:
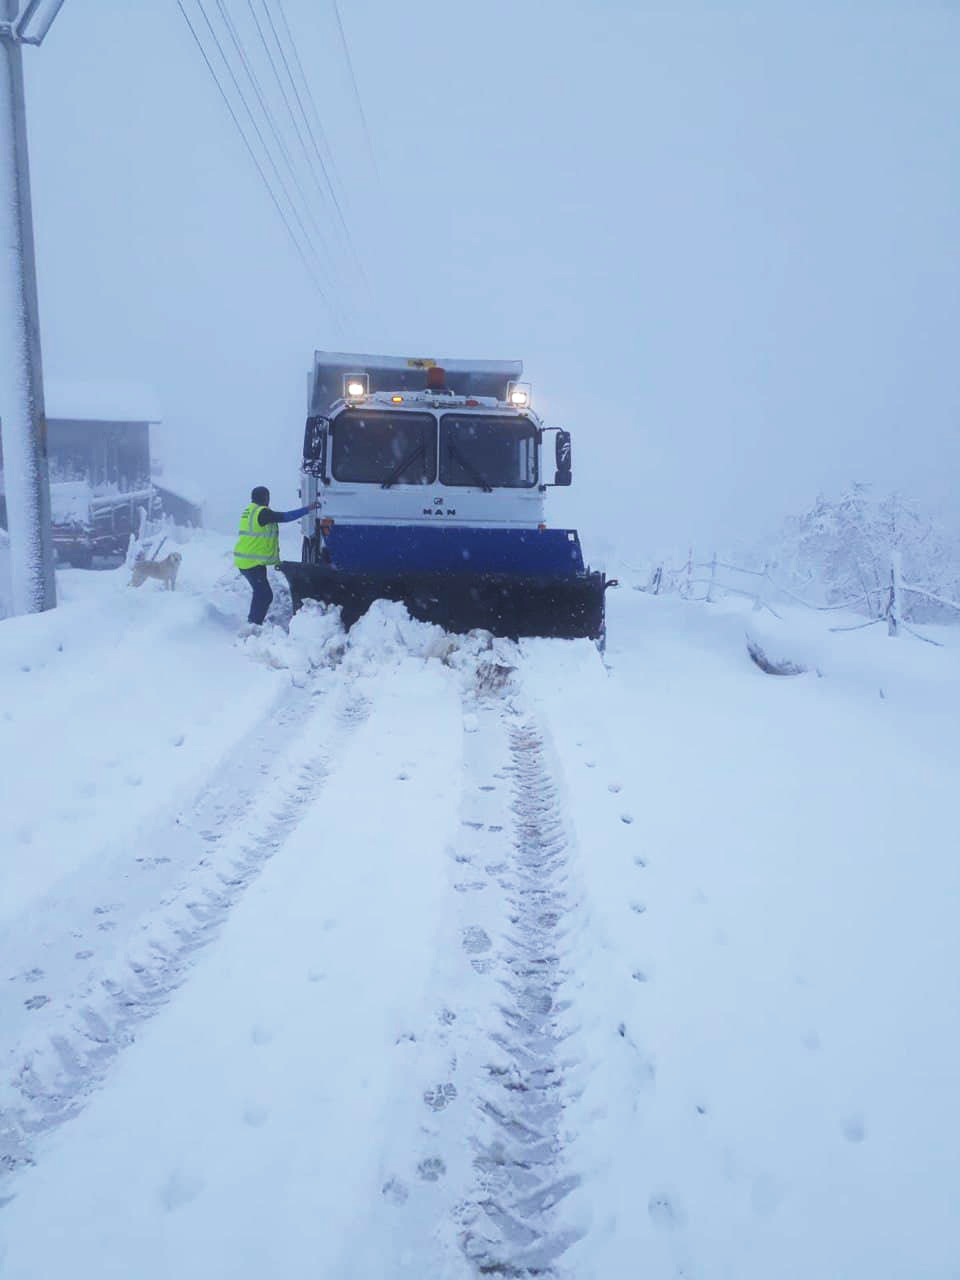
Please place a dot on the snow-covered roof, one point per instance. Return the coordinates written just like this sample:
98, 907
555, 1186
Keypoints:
179, 486
101, 401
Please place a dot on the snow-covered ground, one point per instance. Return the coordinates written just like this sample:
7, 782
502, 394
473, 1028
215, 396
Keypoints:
404, 955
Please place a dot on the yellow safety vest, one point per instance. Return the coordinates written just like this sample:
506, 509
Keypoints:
256, 544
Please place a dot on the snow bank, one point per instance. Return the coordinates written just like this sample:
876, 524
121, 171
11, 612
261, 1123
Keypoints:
772, 884
760, 1042
278, 1060
314, 639
112, 706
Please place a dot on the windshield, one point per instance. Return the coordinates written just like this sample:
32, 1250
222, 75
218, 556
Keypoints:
488, 453
384, 448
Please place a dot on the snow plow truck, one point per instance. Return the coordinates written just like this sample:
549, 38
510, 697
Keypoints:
431, 477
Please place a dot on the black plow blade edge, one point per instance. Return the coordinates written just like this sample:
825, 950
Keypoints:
505, 604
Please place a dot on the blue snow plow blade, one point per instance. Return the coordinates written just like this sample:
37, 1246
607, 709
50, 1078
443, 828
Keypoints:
393, 548
511, 582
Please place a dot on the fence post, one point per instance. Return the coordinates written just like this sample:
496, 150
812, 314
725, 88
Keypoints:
713, 578
893, 603
758, 600
688, 586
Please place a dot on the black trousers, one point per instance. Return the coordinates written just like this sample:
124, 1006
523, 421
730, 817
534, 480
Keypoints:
262, 595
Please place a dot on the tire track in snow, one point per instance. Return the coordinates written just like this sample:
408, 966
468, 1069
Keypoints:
55, 1068
509, 1223
473, 1169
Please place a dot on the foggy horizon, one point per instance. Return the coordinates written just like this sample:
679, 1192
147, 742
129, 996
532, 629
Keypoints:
721, 239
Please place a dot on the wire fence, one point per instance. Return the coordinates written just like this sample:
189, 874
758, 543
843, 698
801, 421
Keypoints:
884, 603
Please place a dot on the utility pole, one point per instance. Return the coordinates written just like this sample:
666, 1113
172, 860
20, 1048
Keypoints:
23, 425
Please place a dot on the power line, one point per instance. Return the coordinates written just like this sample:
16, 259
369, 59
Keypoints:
263, 142
303, 113
253, 156
309, 92
337, 205
252, 77
283, 93
356, 93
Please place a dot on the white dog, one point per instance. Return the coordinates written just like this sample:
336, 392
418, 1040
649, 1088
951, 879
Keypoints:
164, 571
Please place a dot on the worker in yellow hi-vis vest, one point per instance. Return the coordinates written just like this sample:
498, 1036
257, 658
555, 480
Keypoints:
258, 545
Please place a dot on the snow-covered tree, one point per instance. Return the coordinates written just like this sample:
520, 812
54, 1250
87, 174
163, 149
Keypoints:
842, 550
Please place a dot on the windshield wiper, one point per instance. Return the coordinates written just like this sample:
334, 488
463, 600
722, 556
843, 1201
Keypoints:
401, 466
469, 468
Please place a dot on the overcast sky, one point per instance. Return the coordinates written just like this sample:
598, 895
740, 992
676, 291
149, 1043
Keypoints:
722, 237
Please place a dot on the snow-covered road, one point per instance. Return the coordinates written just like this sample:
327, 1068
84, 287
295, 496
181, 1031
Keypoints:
405, 956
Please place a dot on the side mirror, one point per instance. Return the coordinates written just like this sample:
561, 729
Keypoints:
315, 447
564, 474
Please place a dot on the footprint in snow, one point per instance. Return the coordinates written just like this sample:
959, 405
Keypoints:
440, 1096
614, 787
640, 862
36, 1002
431, 1169
82, 955
179, 1189
626, 818
395, 1191
665, 1212
28, 975
476, 940
639, 908
854, 1130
